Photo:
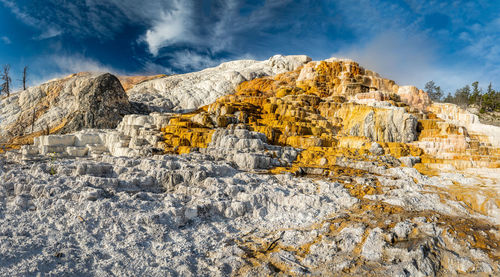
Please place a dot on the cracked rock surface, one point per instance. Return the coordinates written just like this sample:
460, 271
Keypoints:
198, 215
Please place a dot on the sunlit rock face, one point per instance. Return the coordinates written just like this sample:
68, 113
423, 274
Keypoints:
336, 103
452, 136
331, 110
298, 168
129, 82
193, 90
84, 100
346, 78
456, 115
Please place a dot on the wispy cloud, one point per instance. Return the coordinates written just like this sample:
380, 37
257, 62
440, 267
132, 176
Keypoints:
55, 66
225, 29
482, 41
409, 41
222, 28
76, 63
151, 68
187, 23
47, 30
5, 40
187, 60
412, 42
412, 56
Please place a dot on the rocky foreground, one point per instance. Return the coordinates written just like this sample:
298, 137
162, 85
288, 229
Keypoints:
282, 167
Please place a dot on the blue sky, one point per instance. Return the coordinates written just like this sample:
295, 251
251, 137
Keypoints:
411, 42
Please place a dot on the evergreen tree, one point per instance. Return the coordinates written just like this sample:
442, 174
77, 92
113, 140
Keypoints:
490, 100
438, 94
433, 91
476, 93
449, 98
462, 96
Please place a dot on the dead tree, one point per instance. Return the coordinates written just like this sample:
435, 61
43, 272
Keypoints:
25, 71
33, 120
5, 88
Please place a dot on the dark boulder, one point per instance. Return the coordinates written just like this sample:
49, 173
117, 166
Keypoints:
101, 104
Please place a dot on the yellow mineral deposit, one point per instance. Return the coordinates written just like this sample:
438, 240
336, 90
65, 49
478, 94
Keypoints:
304, 108
324, 109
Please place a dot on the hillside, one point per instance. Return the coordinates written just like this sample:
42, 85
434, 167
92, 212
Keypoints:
280, 167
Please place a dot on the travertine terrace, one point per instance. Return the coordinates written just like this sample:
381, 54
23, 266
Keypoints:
286, 167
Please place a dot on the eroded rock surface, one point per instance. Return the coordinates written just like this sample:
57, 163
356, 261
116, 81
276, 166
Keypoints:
65, 105
196, 214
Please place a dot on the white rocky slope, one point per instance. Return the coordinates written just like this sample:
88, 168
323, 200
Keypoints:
199, 215
456, 115
193, 90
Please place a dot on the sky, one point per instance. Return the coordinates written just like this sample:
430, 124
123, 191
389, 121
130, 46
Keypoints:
450, 42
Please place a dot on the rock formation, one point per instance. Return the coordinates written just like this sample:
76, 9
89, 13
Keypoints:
65, 105
129, 82
287, 167
193, 90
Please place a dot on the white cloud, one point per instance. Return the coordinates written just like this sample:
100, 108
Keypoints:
5, 40
221, 29
395, 41
188, 60
172, 27
49, 33
57, 66
413, 60
184, 22
390, 37
76, 63
482, 42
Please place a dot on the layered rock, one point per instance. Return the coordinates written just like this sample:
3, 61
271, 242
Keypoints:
248, 150
298, 112
450, 135
339, 77
129, 82
136, 135
458, 116
414, 97
315, 110
386, 125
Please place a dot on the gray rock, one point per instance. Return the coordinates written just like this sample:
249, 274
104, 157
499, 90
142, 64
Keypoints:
394, 125
410, 161
373, 247
403, 229
376, 149
102, 103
